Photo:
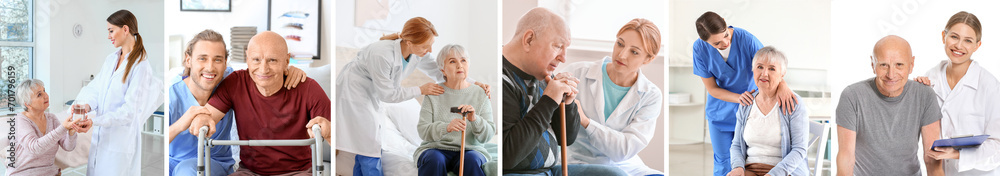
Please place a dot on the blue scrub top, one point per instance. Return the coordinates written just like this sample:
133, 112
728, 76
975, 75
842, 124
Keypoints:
185, 146
734, 74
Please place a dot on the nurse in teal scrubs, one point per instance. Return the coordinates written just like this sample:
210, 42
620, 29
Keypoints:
722, 59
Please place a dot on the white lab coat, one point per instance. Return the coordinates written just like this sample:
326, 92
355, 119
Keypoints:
628, 130
119, 111
971, 108
373, 77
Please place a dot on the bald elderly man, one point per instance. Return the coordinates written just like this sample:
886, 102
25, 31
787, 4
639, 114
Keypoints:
265, 109
880, 119
531, 119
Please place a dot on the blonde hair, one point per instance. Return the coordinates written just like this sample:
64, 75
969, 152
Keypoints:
649, 32
416, 30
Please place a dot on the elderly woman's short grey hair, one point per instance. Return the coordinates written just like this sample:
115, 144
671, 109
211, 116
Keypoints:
768, 54
448, 50
24, 91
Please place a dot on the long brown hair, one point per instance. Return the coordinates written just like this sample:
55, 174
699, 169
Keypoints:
968, 19
416, 30
125, 18
649, 32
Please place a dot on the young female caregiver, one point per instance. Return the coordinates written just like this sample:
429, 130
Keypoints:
619, 106
970, 100
722, 58
123, 95
373, 77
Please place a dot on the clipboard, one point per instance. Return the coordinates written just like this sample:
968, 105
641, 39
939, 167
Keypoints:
961, 142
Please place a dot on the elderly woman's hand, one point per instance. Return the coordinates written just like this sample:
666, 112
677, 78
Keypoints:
485, 87
456, 125
736, 172
470, 110
70, 125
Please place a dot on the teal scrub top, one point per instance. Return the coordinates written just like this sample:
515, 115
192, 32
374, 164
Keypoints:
613, 94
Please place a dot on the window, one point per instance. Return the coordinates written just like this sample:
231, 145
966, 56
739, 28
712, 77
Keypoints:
16, 49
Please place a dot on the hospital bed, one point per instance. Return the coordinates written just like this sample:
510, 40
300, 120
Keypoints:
205, 148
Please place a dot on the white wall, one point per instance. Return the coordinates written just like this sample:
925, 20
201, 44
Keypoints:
801, 29
244, 13
468, 23
857, 25
64, 61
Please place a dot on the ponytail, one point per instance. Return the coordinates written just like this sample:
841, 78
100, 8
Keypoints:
125, 18
417, 30
137, 54
392, 36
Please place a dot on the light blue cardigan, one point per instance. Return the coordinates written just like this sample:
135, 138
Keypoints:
794, 141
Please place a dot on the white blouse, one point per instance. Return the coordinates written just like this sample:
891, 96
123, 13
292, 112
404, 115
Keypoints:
762, 135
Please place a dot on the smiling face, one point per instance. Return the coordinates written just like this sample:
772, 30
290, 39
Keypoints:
628, 54
207, 64
893, 63
267, 60
117, 35
455, 67
960, 42
39, 99
722, 40
768, 73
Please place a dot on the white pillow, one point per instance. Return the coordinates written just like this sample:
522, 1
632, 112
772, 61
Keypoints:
322, 76
405, 115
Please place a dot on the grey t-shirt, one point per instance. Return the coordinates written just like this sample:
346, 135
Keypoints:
888, 128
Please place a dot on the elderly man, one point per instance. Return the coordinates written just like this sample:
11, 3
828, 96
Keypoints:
530, 115
880, 119
204, 63
265, 109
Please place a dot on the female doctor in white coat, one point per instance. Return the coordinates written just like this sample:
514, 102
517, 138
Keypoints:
373, 77
969, 96
619, 105
119, 100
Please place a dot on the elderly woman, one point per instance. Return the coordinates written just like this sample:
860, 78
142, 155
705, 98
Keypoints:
768, 142
442, 129
619, 105
39, 134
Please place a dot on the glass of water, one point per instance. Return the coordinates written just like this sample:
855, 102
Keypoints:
79, 111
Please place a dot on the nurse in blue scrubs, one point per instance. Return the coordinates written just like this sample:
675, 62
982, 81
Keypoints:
722, 58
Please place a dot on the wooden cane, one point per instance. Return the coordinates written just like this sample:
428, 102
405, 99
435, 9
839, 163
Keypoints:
461, 152
562, 143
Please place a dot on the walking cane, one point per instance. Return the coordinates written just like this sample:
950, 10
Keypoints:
461, 151
562, 143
